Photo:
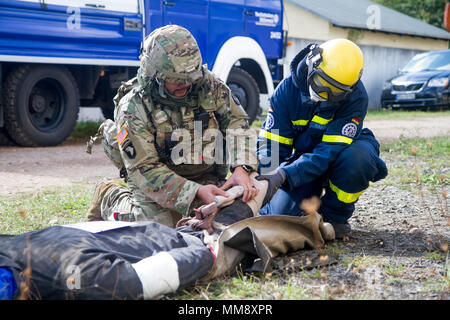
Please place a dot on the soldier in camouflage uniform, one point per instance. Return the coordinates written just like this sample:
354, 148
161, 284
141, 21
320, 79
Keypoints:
174, 93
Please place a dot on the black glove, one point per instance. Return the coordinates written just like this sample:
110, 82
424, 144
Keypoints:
275, 179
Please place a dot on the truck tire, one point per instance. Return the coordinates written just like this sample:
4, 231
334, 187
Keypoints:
5, 140
245, 88
41, 105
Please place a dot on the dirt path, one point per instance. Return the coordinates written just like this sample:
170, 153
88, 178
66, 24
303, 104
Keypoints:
25, 170
388, 130
32, 169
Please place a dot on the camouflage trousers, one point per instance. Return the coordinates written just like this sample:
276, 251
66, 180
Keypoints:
123, 204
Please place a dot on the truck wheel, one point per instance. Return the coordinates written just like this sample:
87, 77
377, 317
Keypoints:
246, 90
41, 105
5, 140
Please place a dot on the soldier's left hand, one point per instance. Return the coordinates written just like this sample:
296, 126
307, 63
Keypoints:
240, 177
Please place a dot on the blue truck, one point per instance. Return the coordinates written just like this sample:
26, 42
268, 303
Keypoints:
58, 55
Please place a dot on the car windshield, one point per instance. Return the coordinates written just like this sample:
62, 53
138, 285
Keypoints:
434, 61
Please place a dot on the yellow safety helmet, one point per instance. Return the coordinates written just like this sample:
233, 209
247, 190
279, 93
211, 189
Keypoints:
334, 68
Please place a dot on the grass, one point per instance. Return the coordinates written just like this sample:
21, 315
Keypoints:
418, 160
424, 147
85, 129
382, 114
60, 205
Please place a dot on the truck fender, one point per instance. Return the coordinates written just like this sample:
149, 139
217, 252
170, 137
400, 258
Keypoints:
237, 48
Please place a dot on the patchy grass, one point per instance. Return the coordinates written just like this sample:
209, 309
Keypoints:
382, 114
421, 147
85, 129
418, 160
60, 205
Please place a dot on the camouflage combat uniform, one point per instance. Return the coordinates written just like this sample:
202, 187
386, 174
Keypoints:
146, 117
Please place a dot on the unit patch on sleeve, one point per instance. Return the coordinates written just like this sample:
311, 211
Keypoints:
129, 149
349, 130
269, 121
122, 135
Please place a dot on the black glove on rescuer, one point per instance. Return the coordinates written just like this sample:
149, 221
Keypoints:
275, 180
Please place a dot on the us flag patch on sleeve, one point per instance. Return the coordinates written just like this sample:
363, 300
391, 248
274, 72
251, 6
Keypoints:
122, 135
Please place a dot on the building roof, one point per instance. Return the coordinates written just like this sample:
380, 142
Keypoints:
356, 14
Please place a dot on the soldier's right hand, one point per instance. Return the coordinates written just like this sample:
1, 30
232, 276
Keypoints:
207, 193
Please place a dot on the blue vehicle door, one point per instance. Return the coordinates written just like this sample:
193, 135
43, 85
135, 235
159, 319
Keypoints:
226, 19
191, 14
107, 32
263, 22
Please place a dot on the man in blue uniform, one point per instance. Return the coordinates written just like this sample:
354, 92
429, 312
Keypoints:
315, 120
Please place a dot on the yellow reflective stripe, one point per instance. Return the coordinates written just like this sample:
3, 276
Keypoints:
321, 120
345, 196
328, 138
275, 137
300, 122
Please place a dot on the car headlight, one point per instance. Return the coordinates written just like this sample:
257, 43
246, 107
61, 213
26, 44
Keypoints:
387, 85
438, 82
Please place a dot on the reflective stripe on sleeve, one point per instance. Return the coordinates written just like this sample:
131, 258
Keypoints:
345, 196
321, 120
300, 122
329, 138
274, 137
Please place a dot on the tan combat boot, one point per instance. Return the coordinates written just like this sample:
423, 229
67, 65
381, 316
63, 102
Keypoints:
95, 212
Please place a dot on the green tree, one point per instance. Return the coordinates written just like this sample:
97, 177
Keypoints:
429, 11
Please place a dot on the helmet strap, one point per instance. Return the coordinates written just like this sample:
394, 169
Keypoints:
161, 89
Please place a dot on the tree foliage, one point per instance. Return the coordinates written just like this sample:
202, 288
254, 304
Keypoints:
429, 11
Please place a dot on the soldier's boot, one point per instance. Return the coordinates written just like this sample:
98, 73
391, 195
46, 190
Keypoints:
101, 189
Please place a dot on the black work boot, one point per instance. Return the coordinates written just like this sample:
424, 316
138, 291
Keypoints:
341, 229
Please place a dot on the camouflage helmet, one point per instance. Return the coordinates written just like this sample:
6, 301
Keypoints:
171, 54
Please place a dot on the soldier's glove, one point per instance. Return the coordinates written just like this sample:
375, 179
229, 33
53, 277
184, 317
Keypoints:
275, 179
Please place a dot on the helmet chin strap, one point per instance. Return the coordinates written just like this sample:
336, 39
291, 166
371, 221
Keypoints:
314, 96
161, 89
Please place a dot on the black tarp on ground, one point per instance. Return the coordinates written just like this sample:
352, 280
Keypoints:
144, 260
105, 260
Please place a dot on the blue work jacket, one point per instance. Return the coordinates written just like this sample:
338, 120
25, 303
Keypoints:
310, 135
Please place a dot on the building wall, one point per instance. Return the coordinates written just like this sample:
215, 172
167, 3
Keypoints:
384, 54
305, 25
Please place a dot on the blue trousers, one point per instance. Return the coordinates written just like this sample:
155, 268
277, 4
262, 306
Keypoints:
345, 180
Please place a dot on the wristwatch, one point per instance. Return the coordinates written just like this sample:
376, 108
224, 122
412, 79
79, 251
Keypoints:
247, 169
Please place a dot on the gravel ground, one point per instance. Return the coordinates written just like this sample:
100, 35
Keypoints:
396, 249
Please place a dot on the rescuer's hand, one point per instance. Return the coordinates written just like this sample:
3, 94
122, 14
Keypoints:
240, 177
275, 179
207, 193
